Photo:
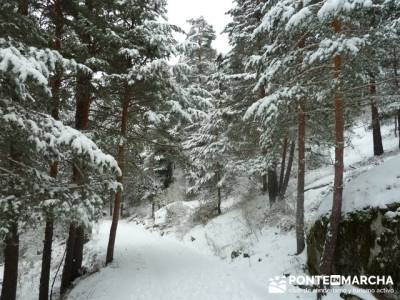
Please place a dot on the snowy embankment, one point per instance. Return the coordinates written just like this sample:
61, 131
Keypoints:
368, 180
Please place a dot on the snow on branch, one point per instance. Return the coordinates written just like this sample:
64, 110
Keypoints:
335, 7
49, 136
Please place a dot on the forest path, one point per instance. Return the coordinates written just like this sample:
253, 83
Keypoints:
148, 266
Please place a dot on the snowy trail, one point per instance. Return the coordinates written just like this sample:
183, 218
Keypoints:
148, 266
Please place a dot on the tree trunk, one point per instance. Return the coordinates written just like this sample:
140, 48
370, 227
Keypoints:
66, 277
46, 260
396, 82
376, 126
11, 241
73, 256
288, 170
264, 183
169, 174
218, 178
55, 89
283, 162
333, 230
23, 6
398, 126
10, 273
300, 180
76, 269
272, 185
121, 164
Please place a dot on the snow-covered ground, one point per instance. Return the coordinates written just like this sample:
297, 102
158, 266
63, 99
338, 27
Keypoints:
232, 256
148, 266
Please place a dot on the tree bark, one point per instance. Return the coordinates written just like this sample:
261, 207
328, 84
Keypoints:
66, 277
169, 174
76, 269
55, 88
333, 230
10, 273
121, 164
300, 180
218, 178
376, 126
283, 162
11, 241
288, 170
396, 82
272, 185
23, 6
264, 183
398, 125
74, 251
46, 260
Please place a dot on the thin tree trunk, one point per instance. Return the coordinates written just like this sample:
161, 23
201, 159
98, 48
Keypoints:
396, 82
283, 162
74, 251
333, 229
121, 164
11, 241
264, 183
218, 178
76, 269
10, 273
55, 88
288, 170
300, 180
23, 7
376, 126
46, 260
66, 277
272, 185
398, 126
169, 175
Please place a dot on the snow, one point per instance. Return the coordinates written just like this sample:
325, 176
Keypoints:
333, 7
22, 67
148, 266
376, 187
298, 17
368, 181
234, 255
31, 245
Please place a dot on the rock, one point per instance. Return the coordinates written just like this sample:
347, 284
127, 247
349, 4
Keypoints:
235, 254
368, 244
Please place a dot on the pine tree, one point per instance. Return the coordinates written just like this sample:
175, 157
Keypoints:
56, 12
28, 74
206, 143
140, 71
